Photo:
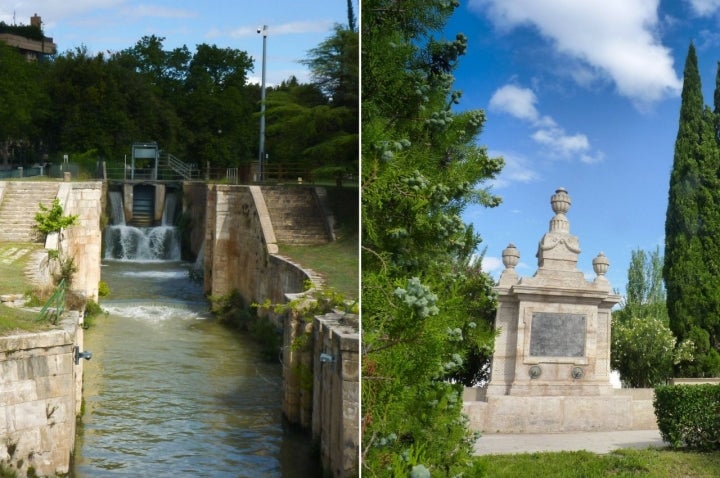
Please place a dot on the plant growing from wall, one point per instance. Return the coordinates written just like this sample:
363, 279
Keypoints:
315, 302
52, 219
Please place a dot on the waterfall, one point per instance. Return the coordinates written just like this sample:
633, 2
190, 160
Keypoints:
117, 212
141, 244
168, 217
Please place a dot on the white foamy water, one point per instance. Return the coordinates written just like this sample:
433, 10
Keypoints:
152, 313
176, 274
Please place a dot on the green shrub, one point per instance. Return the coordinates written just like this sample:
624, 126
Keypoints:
232, 310
689, 415
51, 219
103, 289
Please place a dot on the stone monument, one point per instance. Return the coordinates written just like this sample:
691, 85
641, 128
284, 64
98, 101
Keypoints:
551, 365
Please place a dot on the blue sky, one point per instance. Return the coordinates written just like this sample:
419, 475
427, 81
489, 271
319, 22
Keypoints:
102, 25
583, 95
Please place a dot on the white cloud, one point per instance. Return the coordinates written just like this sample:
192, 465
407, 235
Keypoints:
492, 265
521, 103
615, 37
157, 12
704, 7
291, 28
517, 169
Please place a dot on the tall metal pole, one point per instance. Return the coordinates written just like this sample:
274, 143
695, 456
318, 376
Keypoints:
264, 33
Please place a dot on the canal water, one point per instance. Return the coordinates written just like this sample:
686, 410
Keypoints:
170, 392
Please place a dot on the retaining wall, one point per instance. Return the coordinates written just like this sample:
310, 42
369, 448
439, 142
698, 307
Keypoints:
336, 387
241, 253
40, 385
83, 241
39, 399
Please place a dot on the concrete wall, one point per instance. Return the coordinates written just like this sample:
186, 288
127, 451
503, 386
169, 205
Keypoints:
38, 399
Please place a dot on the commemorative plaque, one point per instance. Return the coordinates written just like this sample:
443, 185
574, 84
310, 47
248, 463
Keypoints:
557, 335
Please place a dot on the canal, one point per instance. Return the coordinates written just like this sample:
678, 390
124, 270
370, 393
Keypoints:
171, 392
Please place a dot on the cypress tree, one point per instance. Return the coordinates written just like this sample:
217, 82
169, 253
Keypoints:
692, 224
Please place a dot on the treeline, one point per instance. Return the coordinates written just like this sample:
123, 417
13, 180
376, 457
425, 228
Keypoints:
197, 105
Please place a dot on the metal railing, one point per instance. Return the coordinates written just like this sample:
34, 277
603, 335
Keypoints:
55, 306
18, 173
185, 170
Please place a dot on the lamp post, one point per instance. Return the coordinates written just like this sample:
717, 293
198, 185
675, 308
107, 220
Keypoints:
264, 31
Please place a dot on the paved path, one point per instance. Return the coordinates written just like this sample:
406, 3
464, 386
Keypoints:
597, 442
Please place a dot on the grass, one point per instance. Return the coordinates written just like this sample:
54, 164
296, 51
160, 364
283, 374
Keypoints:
651, 463
337, 262
13, 281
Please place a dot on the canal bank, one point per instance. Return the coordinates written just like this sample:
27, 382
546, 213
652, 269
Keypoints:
172, 391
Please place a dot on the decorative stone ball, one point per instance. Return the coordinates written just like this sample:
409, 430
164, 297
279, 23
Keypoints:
510, 256
600, 264
560, 201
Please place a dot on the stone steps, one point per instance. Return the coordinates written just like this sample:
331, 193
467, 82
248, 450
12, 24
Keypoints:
20, 203
295, 215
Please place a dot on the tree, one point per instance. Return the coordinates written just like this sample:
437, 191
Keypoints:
427, 310
332, 143
692, 223
22, 98
643, 348
645, 290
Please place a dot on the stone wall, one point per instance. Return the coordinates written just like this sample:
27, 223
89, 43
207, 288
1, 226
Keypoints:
241, 250
336, 387
39, 399
40, 384
241, 253
83, 241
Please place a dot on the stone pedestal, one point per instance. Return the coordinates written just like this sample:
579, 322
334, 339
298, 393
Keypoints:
551, 366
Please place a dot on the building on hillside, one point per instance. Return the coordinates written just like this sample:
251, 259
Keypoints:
29, 40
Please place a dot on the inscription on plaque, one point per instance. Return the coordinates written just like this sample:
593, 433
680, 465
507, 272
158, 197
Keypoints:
557, 335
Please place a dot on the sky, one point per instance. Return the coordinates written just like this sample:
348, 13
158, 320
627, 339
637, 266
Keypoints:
295, 27
583, 95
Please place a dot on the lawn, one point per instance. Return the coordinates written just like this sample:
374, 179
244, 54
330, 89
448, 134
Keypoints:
13, 259
651, 463
338, 262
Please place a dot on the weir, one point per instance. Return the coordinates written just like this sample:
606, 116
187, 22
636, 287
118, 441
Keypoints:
142, 243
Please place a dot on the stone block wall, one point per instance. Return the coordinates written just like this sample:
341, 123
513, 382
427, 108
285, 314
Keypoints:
336, 389
299, 214
241, 249
83, 241
39, 399
241, 253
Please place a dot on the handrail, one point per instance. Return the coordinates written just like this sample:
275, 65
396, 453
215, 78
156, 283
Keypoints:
58, 301
180, 167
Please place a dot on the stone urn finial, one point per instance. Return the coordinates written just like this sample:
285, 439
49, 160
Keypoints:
560, 202
510, 256
600, 264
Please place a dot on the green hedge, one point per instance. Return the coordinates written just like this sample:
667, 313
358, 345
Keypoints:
689, 415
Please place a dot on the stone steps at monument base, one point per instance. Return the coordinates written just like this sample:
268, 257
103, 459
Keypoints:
20, 203
295, 215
